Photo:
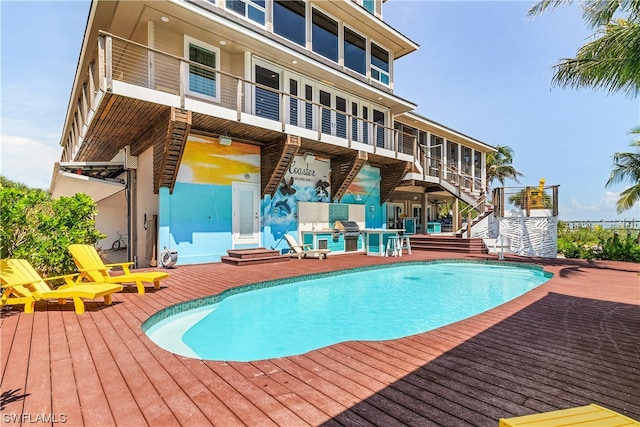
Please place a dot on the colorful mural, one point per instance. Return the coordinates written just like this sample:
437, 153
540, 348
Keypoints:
305, 181
196, 219
205, 161
365, 190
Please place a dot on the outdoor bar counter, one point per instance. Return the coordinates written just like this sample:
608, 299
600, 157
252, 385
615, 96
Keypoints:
375, 239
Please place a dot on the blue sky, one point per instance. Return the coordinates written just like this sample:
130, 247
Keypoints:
483, 68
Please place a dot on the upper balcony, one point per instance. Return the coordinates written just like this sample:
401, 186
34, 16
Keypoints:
129, 86
130, 92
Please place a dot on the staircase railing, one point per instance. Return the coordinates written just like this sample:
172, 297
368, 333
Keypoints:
461, 181
480, 207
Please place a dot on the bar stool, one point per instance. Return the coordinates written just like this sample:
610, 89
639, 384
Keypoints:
393, 246
404, 243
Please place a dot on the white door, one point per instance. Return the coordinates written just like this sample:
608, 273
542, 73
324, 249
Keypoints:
246, 214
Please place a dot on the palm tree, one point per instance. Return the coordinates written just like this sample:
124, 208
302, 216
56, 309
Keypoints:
499, 165
612, 60
626, 167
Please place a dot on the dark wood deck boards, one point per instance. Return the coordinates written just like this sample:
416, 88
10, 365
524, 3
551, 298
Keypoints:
572, 341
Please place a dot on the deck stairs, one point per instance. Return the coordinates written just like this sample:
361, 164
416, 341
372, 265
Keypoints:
242, 257
469, 197
167, 153
477, 220
446, 243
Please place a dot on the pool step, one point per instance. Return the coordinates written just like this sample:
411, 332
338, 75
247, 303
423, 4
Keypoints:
240, 257
448, 244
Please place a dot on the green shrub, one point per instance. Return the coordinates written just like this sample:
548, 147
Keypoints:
598, 243
36, 228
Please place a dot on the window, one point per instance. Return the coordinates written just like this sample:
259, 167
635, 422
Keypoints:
341, 118
267, 101
289, 20
466, 160
293, 102
452, 155
378, 118
370, 5
477, 164
202, 80
365, 129
436, 148
325, 99
324, 35
379, 64
355, 122
308, 106
355, 52
252, 9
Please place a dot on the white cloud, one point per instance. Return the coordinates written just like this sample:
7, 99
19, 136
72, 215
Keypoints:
604, 208
28, 161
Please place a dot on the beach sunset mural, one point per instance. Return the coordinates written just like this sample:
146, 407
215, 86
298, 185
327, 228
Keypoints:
205, 161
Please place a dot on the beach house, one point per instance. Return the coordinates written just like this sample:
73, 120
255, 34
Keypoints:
202, 126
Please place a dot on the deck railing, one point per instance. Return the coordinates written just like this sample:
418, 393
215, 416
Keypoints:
140, 65
435, 167
527, 199
123, 60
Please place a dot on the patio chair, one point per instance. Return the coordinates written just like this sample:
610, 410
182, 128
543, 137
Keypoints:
93, 269
21, 284
301, 251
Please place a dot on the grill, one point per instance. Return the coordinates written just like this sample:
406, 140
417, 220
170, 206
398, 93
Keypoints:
350, 231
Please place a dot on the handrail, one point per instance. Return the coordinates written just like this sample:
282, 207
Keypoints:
446, 169
518, 197
501, 253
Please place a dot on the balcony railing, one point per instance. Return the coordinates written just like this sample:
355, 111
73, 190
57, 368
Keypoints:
121, 60
437, 168
527, 199
133, 63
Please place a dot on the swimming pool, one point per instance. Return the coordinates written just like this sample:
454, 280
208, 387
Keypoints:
294, 316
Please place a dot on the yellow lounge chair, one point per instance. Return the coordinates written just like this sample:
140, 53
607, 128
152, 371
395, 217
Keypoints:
21, 284
304, 250
92, 269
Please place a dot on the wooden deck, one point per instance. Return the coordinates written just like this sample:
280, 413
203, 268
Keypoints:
572, 341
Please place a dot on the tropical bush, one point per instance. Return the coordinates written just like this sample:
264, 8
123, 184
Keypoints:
39, 229
599, 243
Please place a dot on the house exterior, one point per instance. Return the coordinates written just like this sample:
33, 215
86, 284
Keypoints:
201, 126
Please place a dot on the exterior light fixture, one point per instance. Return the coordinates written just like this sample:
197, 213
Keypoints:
309, 157
224, 140
164, 19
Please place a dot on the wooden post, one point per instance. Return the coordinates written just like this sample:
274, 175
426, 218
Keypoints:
109, 63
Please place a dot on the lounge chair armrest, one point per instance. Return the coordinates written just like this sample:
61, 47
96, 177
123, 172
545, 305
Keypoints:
84, 270
13, 285
68, 279
116, 264
123, 265
65, 277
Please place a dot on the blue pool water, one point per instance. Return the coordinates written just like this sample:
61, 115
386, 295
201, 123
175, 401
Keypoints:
370, 304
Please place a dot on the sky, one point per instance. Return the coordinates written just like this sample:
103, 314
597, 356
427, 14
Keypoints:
483, 68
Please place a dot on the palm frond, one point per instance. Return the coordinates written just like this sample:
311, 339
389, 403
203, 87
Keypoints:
610, 62
546, 5
628, 198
